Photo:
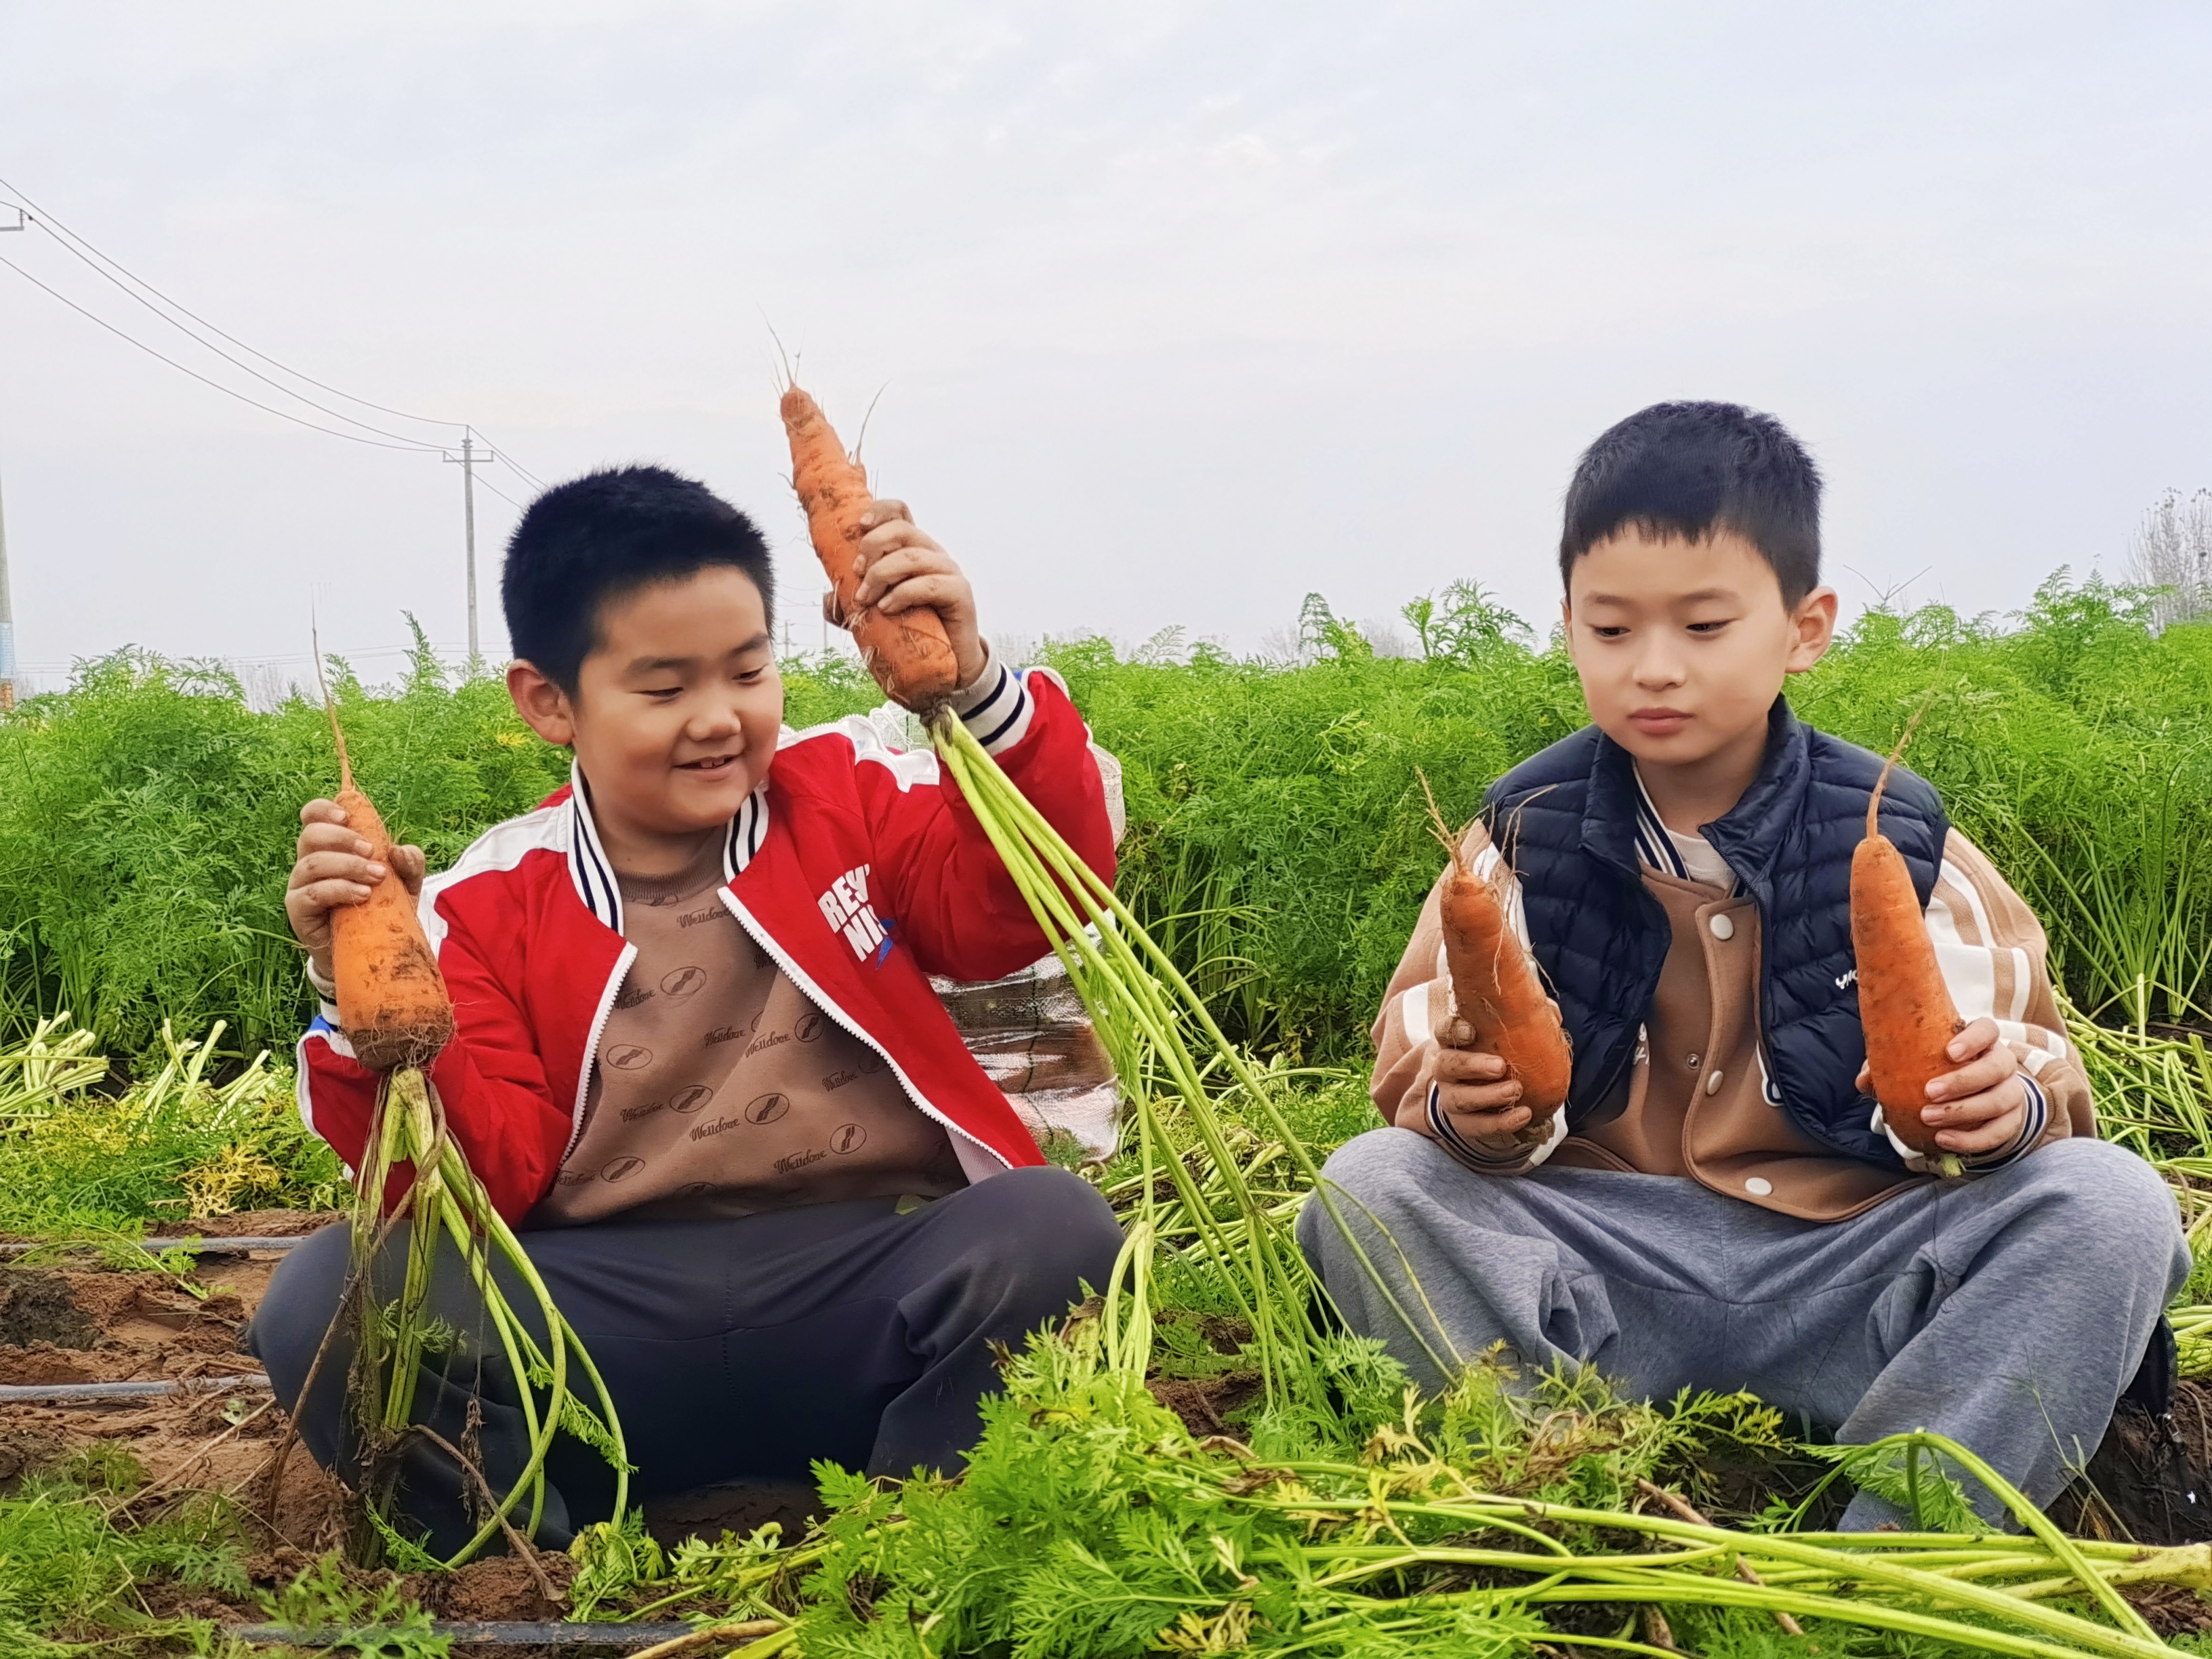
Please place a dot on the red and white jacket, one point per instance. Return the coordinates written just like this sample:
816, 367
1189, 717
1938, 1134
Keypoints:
860, 869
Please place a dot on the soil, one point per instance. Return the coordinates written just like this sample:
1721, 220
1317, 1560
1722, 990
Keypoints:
67, 1324
2150, 1481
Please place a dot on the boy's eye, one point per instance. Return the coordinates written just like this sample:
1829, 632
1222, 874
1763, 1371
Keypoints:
1609, 631
664, 692
1708, 627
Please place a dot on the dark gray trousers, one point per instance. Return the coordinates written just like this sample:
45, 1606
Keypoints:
2007, 1312
734, 1350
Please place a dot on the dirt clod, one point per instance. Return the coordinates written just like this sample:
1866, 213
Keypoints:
1205, 1403
497, 1587
38, 1306
26, 1451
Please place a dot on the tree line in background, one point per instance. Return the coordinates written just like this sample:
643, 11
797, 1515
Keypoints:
1277, 841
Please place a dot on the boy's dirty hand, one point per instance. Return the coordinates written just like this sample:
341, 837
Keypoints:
901, 567
1980, 1107
334, 869
1473, 1088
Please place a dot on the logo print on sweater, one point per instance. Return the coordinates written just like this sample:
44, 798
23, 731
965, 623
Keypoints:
799, 1161
809, 1025
690, 1100
628, 1056
768, 1108
848, 1138
631, 994
622, 1168
685, 982
845, 907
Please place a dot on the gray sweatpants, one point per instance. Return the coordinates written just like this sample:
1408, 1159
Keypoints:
2007, 1312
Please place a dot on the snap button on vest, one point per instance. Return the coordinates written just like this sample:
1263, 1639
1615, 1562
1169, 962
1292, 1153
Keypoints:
1723, 927
1713, 1082
1759, 1186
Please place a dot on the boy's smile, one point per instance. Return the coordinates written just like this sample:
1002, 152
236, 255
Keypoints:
675, 717
1681, 648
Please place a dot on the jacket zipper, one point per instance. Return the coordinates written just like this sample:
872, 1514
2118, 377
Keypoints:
815, 995
592, 1049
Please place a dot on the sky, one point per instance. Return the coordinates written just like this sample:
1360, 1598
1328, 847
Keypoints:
1169, 313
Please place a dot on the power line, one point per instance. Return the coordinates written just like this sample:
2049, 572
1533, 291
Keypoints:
55, 227
114, 272
268, 381
411, 447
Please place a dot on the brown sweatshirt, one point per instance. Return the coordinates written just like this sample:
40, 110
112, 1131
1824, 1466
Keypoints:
719, 1089
1699, 1102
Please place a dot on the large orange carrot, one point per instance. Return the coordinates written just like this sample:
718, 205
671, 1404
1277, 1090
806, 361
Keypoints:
1496, 988
909, 653
1904, 1004
393, 1004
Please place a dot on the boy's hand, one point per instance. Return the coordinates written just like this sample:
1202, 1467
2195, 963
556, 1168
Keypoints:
902, 568
334, 868
1980, 1107
1472, 1086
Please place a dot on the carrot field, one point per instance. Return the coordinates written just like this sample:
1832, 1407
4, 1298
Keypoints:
1188, 1466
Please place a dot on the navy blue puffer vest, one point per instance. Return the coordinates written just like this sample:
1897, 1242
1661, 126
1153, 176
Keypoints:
1566, 820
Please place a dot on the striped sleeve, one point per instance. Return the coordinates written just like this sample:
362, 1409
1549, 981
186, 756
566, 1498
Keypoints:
996, 708
1993, 953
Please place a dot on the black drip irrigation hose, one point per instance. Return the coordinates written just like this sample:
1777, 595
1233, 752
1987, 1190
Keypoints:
59, 1391
497, 1632
195, 1246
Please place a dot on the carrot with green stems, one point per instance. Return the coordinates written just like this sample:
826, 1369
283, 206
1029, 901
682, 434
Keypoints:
396, 1014
1495, 986
909, 653
1904, 1004
393, 1004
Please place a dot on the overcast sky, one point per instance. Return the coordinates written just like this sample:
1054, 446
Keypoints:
1178, 312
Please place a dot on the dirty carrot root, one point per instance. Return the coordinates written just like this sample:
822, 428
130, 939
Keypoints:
1904, 1004
393, 1004
1496, 988
909, 653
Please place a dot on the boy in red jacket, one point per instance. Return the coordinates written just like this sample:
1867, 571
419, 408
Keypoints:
699, 1064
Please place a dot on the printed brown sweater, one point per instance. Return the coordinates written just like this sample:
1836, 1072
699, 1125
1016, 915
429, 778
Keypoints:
1699, 1103
722, 1090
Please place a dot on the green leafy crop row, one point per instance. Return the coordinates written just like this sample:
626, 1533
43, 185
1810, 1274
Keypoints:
1277, 842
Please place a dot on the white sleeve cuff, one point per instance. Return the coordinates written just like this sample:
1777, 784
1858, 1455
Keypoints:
1475, 1158
996, 708
2032, 1123
327, 991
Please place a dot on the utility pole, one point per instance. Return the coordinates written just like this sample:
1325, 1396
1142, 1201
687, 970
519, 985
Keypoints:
7, 625
7, 612
467, 461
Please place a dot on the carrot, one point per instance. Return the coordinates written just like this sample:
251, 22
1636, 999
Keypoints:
909, 653
1904, 1004
1496, 988
393, 1004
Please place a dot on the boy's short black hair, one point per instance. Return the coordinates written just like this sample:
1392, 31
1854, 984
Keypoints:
606, 534
1687, 470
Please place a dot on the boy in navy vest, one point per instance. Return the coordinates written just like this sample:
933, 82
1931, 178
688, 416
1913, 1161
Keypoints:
1719, 1205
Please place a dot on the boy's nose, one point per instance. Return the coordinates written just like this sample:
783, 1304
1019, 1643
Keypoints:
720, 720
1659, 671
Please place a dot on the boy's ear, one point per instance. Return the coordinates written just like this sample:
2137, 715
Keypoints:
1813, 629
545, 708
